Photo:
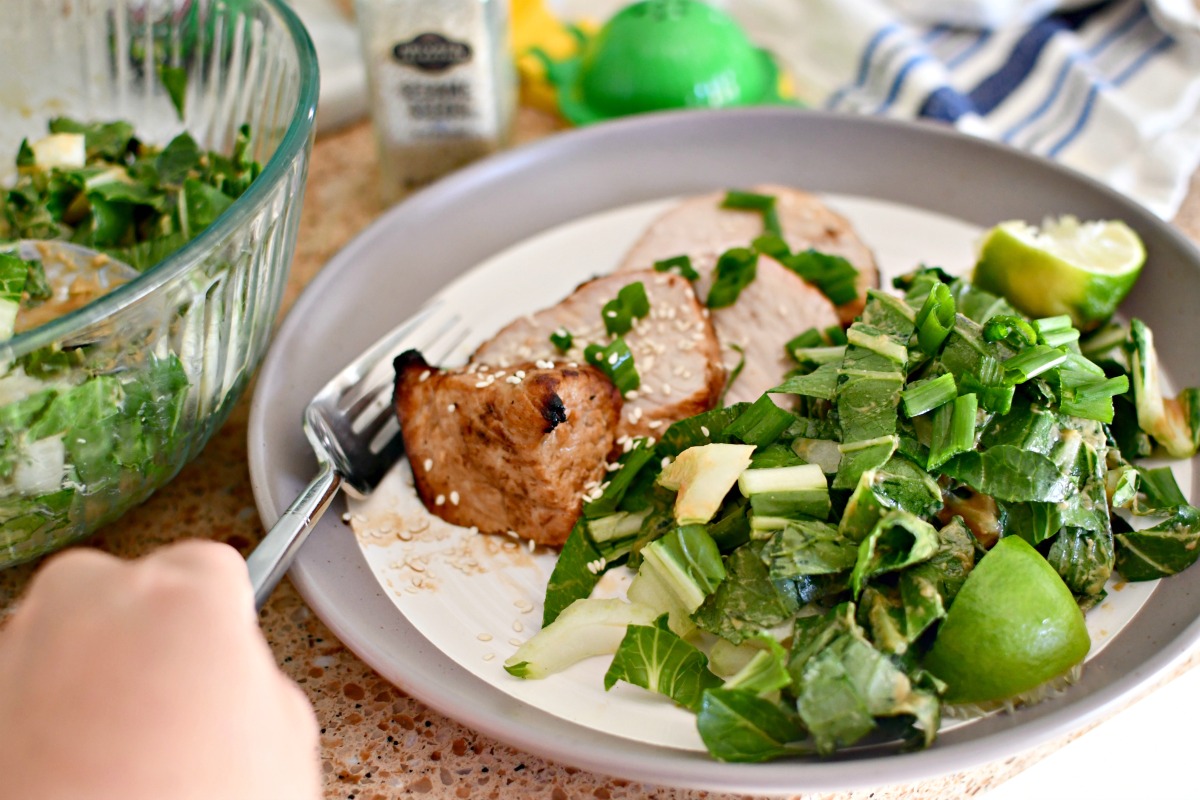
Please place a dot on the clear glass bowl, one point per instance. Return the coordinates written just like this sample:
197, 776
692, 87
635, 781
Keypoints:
101, 407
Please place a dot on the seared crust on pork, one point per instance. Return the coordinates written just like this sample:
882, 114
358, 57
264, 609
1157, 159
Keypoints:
702, 229
675, 349
506, 449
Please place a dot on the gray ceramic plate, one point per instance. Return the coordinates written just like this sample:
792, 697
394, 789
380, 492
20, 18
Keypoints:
417, 247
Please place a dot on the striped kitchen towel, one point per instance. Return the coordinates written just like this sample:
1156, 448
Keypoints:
1111, 89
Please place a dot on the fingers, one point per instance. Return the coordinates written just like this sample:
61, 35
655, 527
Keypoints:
219, 568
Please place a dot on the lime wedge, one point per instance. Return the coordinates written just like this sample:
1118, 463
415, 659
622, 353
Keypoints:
1084, 269
1013, 626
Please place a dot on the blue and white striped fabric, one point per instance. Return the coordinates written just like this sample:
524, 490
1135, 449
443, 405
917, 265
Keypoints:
1105, 88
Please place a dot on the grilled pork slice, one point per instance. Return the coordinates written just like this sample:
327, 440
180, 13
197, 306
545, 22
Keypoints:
675, 350
702, 229
768, 313
506, 449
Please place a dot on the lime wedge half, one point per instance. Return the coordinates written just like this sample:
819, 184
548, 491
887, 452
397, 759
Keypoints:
1013, 626
1084, 269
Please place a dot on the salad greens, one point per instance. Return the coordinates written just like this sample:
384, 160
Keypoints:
98, 185
90, 428
792, 609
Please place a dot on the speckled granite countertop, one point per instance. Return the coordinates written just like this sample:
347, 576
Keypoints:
377, 742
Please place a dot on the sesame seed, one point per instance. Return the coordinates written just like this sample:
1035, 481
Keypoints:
513, 379
517, 626
454, 498
483, 384
484, 637
515, 642
610, 314
488, 656
704, 430
613, 359
440, 500
451, 408
613, 466
545, 364
666, 462
428, 464
654, 424
666, 388
424, 376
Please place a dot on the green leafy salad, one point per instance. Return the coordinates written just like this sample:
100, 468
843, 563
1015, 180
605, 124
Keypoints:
84, 423
794, 569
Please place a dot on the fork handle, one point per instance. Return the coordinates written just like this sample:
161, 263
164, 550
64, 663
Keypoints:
275, 553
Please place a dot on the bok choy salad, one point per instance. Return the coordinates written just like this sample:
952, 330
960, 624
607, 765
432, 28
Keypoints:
793, 568
86, 422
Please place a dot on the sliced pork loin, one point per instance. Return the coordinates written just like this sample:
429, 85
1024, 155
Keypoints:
675, 349
506, 449
769, 312
702, 229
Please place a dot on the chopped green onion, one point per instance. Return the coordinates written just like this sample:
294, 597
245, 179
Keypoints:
631, 463
833, 275
921, 397
704, 428
935, 320
836, 335
1030, 363
749, 201
992, 393
1093, 400
1010, 328
680, 265
1046, 325
761, 423
1081, 364
619, 313
736, 269
771, 244
953, 430
615, 361
562, 340
1060, 338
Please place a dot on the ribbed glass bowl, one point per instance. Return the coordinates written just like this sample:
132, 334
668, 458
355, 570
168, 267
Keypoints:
101, 407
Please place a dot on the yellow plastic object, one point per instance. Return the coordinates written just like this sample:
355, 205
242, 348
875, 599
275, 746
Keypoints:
536, 29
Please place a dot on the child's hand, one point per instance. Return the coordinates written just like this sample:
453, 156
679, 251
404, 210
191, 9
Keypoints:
149, 679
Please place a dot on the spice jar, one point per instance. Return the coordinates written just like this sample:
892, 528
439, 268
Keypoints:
441, 85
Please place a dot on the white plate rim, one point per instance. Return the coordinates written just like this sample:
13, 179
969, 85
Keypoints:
660, 155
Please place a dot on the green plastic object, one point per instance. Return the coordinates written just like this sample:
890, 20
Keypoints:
664, 54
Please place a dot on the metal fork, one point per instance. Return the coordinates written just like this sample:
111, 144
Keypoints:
353, 430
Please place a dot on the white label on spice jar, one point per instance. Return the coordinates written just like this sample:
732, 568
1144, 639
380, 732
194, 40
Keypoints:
432, 72
441, 85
